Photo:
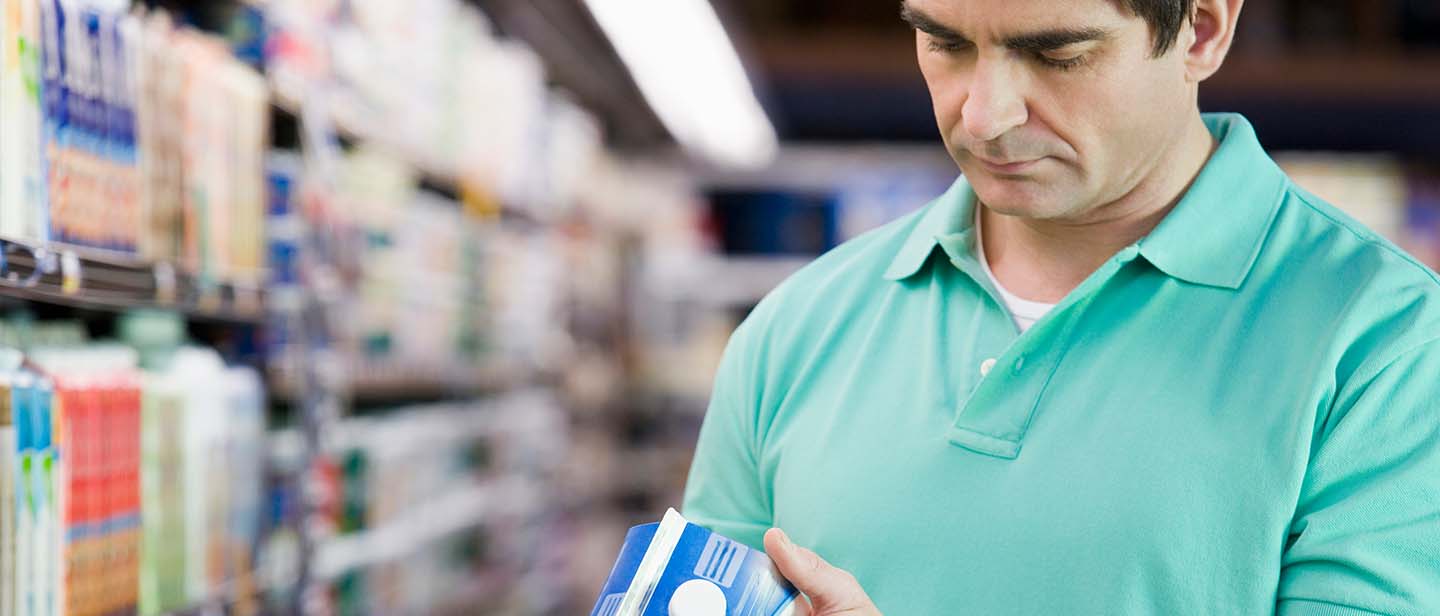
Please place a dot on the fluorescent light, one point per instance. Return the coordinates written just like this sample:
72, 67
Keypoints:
679, 55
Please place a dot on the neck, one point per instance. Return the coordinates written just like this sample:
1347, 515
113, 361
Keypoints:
1043, 260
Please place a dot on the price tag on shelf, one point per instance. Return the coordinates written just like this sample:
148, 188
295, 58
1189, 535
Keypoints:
71, 276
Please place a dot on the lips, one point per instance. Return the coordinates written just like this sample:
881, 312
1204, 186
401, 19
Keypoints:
1008, 168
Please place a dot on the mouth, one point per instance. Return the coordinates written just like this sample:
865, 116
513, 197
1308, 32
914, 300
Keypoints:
1008, 168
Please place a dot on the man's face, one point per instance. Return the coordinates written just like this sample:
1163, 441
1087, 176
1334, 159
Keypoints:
1051, 108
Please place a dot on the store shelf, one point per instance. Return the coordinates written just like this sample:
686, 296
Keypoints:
396, 385
424, 524
721, 281
225, 602
389, 384
432, 175
350, 126
100, 280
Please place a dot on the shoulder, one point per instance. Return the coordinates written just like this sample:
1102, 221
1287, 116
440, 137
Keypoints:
1375, 301
1355, 260
1321, 221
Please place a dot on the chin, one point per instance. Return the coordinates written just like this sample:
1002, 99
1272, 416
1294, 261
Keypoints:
1019, 197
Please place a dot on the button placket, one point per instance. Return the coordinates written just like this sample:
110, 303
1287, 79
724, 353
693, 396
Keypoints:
994, 419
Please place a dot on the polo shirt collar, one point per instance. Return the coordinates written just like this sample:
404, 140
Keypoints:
1212, 236
952, 213
1215, 233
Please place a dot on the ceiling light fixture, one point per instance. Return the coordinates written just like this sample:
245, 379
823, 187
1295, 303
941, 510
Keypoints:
689, 72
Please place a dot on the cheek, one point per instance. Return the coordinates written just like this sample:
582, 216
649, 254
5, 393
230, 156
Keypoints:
1142, 113
1103, 117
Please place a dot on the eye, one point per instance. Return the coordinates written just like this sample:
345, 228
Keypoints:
1069, 62
941, 45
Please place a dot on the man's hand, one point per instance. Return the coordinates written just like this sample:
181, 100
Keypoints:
831, 591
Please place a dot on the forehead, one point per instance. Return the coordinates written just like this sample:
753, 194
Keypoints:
998, 19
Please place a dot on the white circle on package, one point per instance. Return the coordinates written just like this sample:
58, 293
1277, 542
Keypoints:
697, 598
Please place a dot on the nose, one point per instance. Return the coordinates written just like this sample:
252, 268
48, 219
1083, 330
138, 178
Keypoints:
994, 103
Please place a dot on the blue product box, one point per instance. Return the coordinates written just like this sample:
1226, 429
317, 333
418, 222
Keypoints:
681, 569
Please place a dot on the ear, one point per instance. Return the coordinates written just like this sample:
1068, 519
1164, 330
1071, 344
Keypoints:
1209, 34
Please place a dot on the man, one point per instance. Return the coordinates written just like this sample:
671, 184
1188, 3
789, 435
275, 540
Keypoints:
1123, 366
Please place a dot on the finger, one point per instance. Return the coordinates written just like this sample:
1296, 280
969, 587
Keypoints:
802, 607
827, 587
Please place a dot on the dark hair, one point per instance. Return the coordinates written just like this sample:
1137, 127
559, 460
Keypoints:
1165, 17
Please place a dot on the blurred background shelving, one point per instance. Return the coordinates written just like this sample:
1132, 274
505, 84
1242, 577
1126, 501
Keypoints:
363, 306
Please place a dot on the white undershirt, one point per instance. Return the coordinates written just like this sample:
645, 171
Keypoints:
1024, 311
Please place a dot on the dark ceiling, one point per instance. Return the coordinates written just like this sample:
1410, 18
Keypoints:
1311, 74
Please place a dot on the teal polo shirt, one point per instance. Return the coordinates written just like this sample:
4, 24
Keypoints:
1238, 414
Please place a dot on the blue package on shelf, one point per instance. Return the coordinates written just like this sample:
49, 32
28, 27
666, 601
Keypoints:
775, 222
682, 569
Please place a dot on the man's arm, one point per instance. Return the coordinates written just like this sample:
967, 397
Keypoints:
725, 491
1366, 534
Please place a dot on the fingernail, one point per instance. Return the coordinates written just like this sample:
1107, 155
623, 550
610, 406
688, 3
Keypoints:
784, 538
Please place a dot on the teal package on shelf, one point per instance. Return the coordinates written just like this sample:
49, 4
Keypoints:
44, 472
34, 554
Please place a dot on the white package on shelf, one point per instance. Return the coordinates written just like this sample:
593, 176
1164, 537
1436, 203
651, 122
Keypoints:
22, 171
244, 453
157, 109
9, 472
199, 371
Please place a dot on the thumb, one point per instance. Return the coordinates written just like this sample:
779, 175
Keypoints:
830, 589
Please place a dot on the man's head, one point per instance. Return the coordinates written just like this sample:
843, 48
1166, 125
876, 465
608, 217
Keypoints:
1052, 108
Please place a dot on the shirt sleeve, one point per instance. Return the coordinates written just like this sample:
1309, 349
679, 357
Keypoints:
724, 491
1365, 538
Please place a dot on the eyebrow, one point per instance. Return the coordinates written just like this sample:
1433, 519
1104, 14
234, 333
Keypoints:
1049, 40
924, 23
1044, 40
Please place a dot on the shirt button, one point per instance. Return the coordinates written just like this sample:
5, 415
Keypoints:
986, 365
1019, 364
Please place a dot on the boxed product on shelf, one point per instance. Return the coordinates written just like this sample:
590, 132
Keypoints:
128, 134
159, 105
128, 489
434, 295
457, 101
223, 110
1422, 221
439, 502
776, 222
22, 166
9, 474
279, 563
88, 94
37, 570
96, 403
201, 468
222, 151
